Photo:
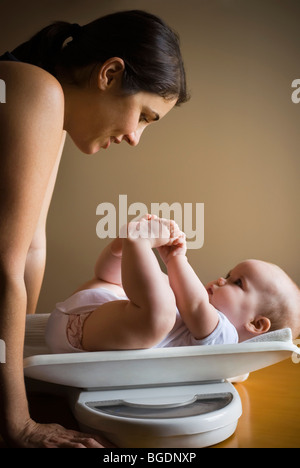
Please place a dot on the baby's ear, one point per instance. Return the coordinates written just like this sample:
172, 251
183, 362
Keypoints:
259, 325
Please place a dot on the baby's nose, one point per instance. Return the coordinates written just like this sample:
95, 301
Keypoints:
221, 282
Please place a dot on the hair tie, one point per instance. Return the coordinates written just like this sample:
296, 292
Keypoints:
75, 30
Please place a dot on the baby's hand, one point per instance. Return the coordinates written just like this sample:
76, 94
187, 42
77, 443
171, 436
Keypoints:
178, 247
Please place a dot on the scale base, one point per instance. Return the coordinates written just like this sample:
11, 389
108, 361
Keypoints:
190, 441
188, 416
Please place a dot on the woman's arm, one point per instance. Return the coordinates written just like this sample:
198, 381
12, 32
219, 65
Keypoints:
29, 143
31, 128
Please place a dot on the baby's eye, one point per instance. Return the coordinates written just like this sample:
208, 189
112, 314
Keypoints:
239, 283
227, 276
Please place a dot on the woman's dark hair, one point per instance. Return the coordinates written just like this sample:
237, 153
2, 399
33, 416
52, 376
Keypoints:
148, 47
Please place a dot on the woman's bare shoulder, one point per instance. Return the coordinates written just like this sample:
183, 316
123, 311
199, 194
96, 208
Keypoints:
28, 85
34, 106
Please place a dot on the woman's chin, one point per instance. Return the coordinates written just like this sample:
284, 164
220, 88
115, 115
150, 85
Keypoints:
88, 147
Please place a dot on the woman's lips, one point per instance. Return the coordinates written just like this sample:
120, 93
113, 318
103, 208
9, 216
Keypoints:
107, 145
110, 141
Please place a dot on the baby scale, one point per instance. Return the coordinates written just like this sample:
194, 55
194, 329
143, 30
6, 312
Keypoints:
157, 398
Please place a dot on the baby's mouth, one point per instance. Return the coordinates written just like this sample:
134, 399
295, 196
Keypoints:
210, 291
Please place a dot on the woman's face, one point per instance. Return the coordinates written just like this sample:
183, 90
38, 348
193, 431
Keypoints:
96, 118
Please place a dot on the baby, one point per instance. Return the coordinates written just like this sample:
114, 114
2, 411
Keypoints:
131, 304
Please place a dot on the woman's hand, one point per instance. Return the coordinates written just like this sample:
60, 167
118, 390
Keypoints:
36, 435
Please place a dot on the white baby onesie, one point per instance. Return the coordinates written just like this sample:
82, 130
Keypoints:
88, 300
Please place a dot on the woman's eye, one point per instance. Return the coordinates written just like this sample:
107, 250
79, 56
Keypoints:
143, 118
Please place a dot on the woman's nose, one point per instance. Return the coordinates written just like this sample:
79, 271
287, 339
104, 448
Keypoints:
134, 138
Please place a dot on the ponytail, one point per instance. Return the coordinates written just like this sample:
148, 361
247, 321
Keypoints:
148, 47
44, 48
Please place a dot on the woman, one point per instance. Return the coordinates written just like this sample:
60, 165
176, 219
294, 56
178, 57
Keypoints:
103, 83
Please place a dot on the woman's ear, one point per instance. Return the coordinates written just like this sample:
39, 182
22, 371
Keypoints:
110, 73
259, 325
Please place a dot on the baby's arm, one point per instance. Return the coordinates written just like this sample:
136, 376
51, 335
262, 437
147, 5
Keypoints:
200, 317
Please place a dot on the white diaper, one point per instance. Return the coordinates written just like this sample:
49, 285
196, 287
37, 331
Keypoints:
64, 327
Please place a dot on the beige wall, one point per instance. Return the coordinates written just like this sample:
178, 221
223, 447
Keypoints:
234, 146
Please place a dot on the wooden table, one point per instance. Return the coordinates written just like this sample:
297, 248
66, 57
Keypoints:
271, 409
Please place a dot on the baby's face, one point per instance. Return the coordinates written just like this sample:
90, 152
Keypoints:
239, 294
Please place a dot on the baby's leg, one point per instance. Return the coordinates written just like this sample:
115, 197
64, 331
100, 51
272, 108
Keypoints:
150, 313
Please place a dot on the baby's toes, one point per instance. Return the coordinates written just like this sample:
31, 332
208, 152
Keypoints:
174, 229
147, 217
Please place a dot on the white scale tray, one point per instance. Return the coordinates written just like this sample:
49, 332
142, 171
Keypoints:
113, 369
158, 398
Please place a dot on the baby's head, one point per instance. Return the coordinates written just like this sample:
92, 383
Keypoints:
257, 297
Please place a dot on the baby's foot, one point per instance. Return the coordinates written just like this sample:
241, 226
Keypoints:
159, 231
162, 231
